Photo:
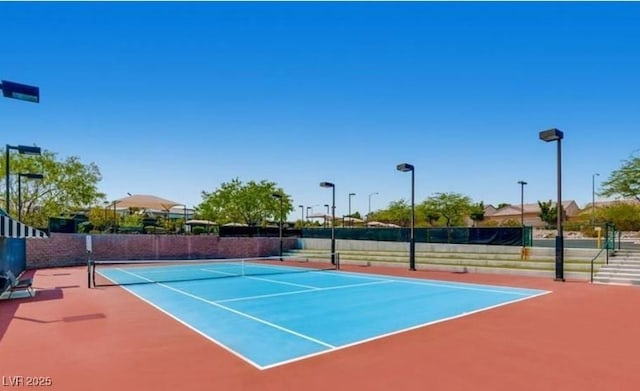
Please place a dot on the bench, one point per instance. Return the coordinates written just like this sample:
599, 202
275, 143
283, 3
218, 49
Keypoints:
17, 284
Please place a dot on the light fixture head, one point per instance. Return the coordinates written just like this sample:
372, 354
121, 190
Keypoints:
404, 167
551, 135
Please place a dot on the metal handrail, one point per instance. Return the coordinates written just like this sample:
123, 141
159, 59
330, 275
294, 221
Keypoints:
605, 246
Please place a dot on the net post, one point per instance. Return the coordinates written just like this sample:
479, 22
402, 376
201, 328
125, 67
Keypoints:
337, 258
93, 273
89, 247
89, 269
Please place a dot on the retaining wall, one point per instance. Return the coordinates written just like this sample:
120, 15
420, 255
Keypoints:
369, 245
70, 249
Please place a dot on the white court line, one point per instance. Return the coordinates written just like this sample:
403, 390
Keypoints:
213, 303
304, 291
378, 280
282, 282
451, 285
186, 324
401, 331
506, 290
261, 279
220, 272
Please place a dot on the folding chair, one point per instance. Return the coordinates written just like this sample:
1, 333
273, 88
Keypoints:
16, 284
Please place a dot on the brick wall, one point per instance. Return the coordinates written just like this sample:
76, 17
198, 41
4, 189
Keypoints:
70, 249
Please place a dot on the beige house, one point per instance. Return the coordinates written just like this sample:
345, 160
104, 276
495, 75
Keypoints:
531, 213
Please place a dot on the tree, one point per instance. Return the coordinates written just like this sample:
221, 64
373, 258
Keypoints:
426, 213
100, 218
477, 212
451, 206
511, 223
625, 216
398, 212
67, 185
502, 205
548, 212
624, 181
489, 223
252, 203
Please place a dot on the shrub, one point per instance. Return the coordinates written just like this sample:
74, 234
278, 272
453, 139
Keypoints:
152, 229
197, 230
510, 223
488, 223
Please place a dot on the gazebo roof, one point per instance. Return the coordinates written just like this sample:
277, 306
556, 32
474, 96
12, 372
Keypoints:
144, 201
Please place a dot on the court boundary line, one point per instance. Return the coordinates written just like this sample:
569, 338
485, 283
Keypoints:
243, 314
189, 326
407, 329
379, 278
299, 292
448, 284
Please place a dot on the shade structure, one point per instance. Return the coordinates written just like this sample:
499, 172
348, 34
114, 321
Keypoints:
352, 220
144, 201
10, 228
200, 222
381, 224
319, 216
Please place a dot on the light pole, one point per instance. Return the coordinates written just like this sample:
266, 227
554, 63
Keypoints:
24, 175
115, 218
522, 183
21, 92
327, 214
350, 218
22, 149
279, 196
308, 207
404, 167
301, 215
557, 135
184, 216
106, 216
593, 196
368, 213
333, 219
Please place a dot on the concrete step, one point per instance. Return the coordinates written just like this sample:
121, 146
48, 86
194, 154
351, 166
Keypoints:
616, 280
622, 269
455, 263
622, 262
619, 273
515, 264
622, 256
457, 256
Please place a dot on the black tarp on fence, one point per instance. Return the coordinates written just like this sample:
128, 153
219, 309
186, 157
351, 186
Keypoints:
504, 236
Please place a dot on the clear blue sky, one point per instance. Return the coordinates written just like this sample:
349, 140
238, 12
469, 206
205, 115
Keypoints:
175, 98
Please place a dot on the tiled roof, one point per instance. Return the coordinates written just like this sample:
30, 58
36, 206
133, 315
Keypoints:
512, 210
613, 202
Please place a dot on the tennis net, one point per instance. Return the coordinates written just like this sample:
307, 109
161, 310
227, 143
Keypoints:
106, 273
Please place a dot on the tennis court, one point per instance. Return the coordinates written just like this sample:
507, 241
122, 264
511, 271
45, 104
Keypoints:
275, 312
579, 337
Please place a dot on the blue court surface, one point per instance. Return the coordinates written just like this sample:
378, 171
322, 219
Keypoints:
270, 319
